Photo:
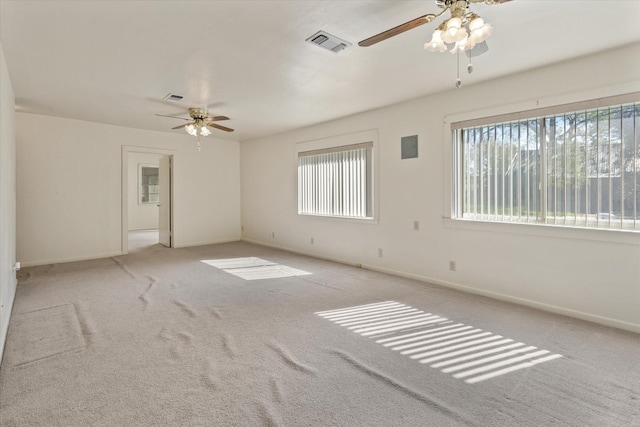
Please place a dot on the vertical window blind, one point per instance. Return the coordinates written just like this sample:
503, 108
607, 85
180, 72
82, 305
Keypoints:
336, 182
578, 168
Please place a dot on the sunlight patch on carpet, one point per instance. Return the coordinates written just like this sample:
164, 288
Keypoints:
45, 333
461, 350
253, 268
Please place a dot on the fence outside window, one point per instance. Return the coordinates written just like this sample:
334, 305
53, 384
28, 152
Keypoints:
579, 167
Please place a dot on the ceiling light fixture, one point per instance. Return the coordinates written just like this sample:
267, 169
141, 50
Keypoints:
462, 32
459, 33
198, 128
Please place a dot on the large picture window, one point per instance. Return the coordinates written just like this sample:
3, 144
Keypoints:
336, 181
576, 168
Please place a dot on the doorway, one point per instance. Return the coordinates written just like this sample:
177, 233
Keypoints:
147, 199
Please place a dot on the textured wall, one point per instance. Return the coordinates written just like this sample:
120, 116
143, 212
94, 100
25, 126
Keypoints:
592, 274
69, 178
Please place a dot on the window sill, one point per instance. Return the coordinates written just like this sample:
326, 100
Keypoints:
372, 220
629, 237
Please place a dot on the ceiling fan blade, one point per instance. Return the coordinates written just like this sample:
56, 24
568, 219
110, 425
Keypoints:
171, 117
397, 30
216, 118
213, 125
181, 126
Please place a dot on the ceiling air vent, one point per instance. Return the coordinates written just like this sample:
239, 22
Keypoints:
173, 97
329, 42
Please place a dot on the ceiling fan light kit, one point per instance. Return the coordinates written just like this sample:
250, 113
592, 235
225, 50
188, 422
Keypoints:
462, 32
200, 124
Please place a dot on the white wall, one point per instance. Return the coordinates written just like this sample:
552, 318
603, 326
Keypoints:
589, 274
7, 199
69, 188
141, 216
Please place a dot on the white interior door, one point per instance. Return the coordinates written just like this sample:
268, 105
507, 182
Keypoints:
164, 196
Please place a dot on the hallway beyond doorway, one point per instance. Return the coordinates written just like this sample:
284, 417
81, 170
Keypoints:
142, 239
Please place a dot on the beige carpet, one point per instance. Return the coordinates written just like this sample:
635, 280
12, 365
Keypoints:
242, 335
45, 333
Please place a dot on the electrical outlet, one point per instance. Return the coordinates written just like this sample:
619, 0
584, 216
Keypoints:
312, 240
242, 228
273, 235
452, 266
380, 252
416, 225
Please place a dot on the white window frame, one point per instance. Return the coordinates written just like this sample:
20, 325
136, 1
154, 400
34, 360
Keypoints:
357, 139
529, 109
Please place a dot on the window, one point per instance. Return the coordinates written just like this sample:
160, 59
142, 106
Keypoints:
336, 181
577, 167
148, 188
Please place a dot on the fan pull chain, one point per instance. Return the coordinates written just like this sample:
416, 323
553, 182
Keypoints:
458, 81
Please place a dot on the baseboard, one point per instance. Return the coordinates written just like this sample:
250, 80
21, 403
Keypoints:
207, 242
311, 254
607, 321
70, 259
111, 254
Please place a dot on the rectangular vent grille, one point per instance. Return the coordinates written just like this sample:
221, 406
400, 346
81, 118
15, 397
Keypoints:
328, 41
173, 97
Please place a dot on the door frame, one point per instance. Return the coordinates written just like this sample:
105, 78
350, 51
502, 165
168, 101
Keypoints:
164, 201
126, 149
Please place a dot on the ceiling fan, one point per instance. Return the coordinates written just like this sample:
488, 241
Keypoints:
464, 31
460, 16
199, 122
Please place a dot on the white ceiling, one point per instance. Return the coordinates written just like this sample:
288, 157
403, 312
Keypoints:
113, 61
